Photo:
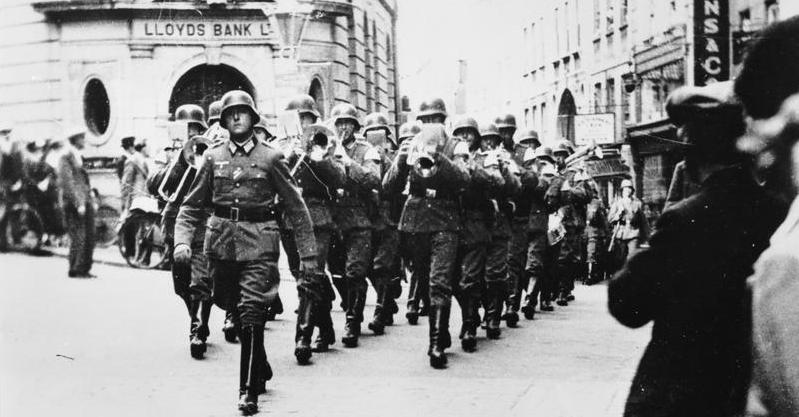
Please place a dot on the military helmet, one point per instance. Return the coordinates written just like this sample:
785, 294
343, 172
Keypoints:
303, 103
345, 111
507, 120
409, 130
214, 111
489, 130
262, 125
191, 113
431, 107
563, 147
545, 152
374, 121
466, 122
626, 184
238, 98
527, 135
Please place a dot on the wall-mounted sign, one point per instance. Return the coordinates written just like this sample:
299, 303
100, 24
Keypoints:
711, 41
202, 30
599, 128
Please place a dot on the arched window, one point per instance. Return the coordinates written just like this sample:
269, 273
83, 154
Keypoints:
317, 92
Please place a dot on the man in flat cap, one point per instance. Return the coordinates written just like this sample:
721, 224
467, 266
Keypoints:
691, 280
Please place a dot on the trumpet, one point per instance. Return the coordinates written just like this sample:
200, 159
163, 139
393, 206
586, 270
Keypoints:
183, 167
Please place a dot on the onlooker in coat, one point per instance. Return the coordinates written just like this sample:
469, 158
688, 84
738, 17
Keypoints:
78, 203
767, 78
691, 280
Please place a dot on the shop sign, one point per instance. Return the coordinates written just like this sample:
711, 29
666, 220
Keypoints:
598, 128
202, 30
712, 41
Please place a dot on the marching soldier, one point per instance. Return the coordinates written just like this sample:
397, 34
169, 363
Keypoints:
434, 183
238, 181
573, 197
596, 233
524, 157
496, 271
485, 182
353, 211
78, 202
541, 254
431, 111
386, 271
318, 174
506, 125
305, 106
191, 280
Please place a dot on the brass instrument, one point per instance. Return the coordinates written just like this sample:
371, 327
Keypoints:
183, 167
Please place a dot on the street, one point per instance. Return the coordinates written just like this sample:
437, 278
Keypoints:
118, 345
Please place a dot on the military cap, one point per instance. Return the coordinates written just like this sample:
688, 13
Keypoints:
127, 142
695, 103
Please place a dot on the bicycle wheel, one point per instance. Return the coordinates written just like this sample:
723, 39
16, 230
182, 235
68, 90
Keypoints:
105, 224
149, 251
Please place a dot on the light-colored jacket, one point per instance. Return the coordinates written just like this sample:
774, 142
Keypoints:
73, 180
628, 220
134, 179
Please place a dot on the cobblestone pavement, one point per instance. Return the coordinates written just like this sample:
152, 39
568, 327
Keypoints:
118, 345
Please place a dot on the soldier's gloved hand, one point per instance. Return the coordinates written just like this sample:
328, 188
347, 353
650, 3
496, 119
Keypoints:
182, 254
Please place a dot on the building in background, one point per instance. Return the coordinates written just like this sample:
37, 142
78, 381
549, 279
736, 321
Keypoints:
121, 67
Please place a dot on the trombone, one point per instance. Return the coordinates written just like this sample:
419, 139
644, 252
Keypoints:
184, 166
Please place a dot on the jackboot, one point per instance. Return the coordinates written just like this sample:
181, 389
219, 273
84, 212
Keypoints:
322, 319
468, 334
528, 309
493, 309
439, 335
413, 302
304, 332
200, 335
250, 370
196, 345
511, 315
352, 327
230, 327
377, 325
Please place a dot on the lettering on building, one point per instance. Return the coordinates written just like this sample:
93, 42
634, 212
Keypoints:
159, 30
711, 41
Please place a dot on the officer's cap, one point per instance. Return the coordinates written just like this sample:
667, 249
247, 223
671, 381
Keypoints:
697, 103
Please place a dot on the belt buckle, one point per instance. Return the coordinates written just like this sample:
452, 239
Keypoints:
234, 214
430, 193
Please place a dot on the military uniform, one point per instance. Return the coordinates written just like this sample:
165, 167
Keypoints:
596, 233
572, 205
238, 183
318, 182
431, 222
73, 181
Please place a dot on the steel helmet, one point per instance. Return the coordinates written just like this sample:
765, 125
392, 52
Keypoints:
345, 111
409, 130
376, 120
626, 183
238, 98
528, 135
489, 130
191, 113
303, 104
214, 111
545, 152
466, 122
262, 125
431, 107
507, 120
563, 147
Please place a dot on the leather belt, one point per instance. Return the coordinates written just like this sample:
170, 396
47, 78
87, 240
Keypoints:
245, 215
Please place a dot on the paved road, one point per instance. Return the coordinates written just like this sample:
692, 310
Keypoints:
117, 345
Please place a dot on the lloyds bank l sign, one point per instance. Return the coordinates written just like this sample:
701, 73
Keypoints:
201, 30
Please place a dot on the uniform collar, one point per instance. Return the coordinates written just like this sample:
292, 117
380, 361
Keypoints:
248, 145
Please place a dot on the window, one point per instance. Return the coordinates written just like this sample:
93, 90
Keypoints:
610, 97
624, 10
597, 16
609, 16
96, 107
744, 20
598, 98
772, 11
628, 82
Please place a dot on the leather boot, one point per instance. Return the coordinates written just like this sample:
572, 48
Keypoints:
304, 332
274, 309
413, 302
439, 334
250, 368
377, 325
528, 309
200, 335
468, 334
492, 314
352, 327
511, 315
326, 336
229, 328
196, 346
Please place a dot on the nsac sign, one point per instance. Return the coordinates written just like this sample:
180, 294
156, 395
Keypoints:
711, 41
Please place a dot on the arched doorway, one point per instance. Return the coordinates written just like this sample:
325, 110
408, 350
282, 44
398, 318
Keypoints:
318, 94
205, 83
566, 111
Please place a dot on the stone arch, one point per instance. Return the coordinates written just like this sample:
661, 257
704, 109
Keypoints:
567, 109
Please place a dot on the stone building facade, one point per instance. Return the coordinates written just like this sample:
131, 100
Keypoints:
121, 67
